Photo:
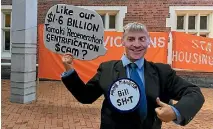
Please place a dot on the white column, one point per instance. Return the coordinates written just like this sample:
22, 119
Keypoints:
198, 24
119, 19
186, 22
107, 21
23, 58
210, 25
170, 50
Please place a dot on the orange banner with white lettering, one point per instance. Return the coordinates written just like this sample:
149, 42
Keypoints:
50, 66
192, 52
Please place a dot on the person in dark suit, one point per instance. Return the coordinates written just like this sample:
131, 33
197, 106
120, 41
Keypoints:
159, 80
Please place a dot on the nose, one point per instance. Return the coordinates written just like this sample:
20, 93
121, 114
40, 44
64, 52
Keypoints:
140, 44
136, 43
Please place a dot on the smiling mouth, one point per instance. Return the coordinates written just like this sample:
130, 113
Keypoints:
133, 50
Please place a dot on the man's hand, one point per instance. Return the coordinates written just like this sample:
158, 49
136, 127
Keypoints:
165, 112
67, 60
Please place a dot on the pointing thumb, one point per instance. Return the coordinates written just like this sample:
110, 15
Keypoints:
160, 103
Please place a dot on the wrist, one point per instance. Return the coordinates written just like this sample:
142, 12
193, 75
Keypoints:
174, 116
68, 67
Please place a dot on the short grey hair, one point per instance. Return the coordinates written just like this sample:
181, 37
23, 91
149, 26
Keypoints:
135, 26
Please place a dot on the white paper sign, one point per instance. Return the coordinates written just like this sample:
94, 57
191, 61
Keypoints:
71, 29
124, 95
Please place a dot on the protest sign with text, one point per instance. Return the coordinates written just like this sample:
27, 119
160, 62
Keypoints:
74, 30
192, 52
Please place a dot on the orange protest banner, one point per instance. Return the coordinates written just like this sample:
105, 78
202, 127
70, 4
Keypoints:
192, 52
157, 51
50, 65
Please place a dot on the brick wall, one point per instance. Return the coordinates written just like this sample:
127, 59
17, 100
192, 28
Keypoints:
150, 12
153, 13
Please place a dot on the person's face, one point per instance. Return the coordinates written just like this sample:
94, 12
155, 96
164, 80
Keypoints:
136, 44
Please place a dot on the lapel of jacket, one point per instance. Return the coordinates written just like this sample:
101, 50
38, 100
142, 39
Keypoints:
151, 81
120, 71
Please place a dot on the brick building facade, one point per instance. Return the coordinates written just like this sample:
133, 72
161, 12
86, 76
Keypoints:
160, 15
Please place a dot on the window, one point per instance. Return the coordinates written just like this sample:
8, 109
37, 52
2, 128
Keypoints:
6, 31
180, 22
197, 24
112, 21
103, 19
203, 22
112, 16
196, 20
191, 23
6, 24
109, 20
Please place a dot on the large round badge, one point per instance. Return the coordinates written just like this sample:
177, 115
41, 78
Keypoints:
124, 95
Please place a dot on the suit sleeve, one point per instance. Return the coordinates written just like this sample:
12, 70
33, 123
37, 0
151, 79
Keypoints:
190, 98
84, 93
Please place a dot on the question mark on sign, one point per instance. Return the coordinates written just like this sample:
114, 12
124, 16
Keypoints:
84, 53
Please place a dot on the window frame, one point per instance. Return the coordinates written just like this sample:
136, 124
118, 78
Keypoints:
118, 11
187, 11
5, 54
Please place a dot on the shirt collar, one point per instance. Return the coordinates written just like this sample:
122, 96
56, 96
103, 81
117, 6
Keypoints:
126, 61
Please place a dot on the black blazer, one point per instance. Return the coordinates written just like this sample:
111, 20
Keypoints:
161, 81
